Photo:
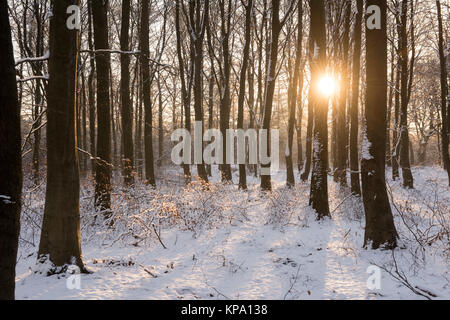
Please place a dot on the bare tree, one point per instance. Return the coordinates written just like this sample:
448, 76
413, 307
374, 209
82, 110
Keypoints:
126, 108
102, 59
10, 160
243, 77
293, 99
380, 229
444, 93
354, 110
319, 181
60, 236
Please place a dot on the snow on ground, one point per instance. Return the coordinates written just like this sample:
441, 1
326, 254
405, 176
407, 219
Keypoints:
249, 245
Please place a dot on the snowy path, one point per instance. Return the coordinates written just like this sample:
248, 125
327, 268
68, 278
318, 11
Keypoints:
252, 259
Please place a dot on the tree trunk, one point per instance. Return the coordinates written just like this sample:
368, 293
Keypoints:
60, 237
310, 125
103, 162
294, 88
266, 184
342, 131
319, 180
198, 22
444, 94
10, 160
146, 87
185, 89
160, 124
380, 229
395, 135
243, 77
408, 181
91, 92
126, 107
354, 108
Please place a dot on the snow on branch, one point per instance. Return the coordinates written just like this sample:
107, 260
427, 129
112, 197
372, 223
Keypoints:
44, 77
134, 53
45, 57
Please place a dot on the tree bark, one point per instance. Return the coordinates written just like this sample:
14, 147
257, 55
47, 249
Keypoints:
243, 78
60, 237
408, 181
10, 160
444, 94
354, 107
146, 87
126, 107
342, 130
319, 180
380, 229
185, 88
103, 162
293, 101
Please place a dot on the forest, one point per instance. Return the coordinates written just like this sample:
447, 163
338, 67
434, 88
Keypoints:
224, 149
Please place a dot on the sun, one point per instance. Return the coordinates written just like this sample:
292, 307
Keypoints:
327, 86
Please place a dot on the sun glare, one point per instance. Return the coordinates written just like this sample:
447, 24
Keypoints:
327, 86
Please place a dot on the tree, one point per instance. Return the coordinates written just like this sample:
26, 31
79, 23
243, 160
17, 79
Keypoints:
226, 12
185, 83
126, 110
342, 132
408, 181
60, 236
444, 93
91, 90
310, 125
102, 59
319, 181
354, 110
146, 87
10, 160
380, 229
277, 25
293, 101
245, 60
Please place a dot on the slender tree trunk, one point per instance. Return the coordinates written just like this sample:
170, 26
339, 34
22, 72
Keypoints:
146, 87
408, 181
185, 89
395, 135
60, 237
266, 184
342, 129
310, 125
210, 111
160, 124
243, 77
380, 229
319, 181
354, 108
10, 160
294, 88
299, 126
444, 94
126, 106
91, 92
198, 22
103, 162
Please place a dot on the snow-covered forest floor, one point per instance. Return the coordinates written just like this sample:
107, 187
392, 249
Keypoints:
221, 243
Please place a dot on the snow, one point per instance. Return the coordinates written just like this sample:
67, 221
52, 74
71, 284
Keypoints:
316, 51
46, 56
365, 150
228, 244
